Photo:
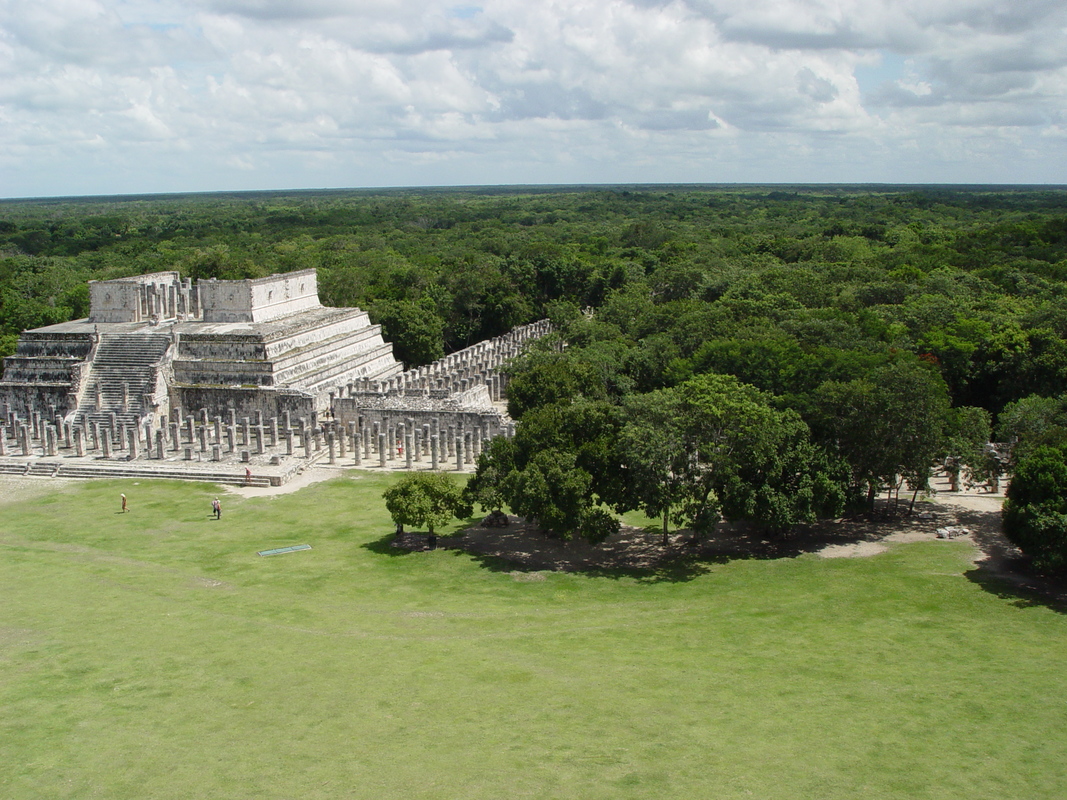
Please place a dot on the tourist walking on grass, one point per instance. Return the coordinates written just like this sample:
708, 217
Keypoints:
124, 509
216, 506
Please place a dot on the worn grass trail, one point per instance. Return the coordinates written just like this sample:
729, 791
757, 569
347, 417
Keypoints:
155, 655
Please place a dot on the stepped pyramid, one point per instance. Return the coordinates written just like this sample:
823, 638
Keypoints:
156, 344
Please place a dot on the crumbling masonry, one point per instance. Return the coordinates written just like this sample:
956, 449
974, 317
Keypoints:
256, 372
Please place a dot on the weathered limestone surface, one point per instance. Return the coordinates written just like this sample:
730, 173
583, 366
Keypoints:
172, 359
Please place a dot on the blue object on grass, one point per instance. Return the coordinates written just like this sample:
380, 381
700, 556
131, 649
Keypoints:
279, 550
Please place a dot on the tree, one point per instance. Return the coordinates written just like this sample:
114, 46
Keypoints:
966, 442
425, 499
888, 424
716, 447
657, 456
413, 328
558, 470
1031, 422
1035, 509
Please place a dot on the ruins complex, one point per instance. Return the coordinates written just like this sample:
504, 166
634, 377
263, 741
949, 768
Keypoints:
167, 369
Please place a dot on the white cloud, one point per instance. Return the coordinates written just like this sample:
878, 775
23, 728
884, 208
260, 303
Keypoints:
214, 93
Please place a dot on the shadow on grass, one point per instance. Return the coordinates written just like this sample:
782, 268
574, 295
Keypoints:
395, 545
1005, 571
636, 554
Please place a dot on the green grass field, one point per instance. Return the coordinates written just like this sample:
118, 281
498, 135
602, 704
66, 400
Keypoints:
155, 655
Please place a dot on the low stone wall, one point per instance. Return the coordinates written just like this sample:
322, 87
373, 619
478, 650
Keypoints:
246, 401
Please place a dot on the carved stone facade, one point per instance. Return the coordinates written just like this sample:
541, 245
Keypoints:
156, 342
256, 373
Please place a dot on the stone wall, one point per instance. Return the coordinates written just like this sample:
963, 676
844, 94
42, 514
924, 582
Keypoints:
157, 296
245, 401
260, 300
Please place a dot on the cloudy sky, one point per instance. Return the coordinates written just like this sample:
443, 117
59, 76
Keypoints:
133, 96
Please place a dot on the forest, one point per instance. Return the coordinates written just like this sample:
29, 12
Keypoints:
768, 353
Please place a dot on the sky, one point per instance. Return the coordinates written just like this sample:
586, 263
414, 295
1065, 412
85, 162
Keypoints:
101, 97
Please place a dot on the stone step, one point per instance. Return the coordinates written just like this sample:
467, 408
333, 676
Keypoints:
61, 469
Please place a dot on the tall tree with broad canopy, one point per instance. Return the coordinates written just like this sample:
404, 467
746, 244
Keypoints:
887, 424
715, 447
425, 499
1035, 509
558, 470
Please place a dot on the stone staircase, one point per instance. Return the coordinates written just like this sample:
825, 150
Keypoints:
124, 370
71, 468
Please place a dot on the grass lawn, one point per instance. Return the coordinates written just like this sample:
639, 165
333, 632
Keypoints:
154, 655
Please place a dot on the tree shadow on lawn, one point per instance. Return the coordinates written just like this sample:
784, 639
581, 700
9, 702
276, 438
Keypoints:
638, 553
1003, 570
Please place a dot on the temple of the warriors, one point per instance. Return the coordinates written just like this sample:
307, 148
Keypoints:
173, 370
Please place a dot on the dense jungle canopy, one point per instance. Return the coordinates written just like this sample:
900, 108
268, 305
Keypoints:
826, 339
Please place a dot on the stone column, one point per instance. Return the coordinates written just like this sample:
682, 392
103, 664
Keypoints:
330, 444
273, 431
218, 430
434, 452
105, 440
288, 441
356, 456
306, 438
159, 444
381, 450
231, 439
79, 443
201, 432
407, 450
459, 453
175, 438
134, 439
342, 449
246, 437
259, 439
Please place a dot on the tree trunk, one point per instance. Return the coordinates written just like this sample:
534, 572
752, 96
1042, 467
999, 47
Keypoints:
666, 534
